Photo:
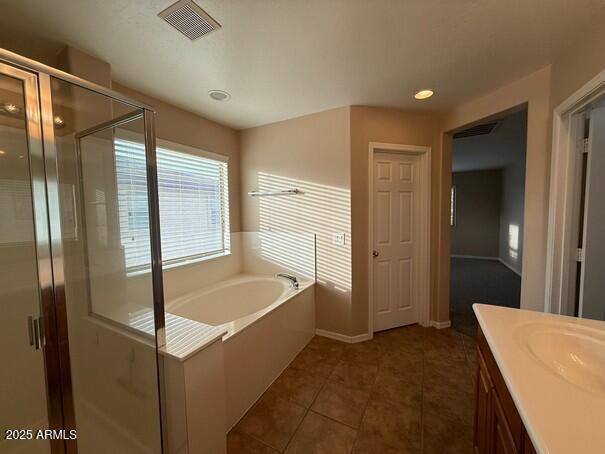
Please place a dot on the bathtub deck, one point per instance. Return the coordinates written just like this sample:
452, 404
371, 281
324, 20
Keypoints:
407, 390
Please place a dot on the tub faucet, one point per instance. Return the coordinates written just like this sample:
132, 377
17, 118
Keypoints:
291, 278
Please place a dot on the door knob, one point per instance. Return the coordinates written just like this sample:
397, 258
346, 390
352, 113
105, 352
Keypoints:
375, 253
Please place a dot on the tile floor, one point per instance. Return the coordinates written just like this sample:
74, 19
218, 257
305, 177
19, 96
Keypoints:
409, 390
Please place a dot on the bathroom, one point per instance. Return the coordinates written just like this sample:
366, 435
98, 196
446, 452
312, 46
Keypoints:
199, 262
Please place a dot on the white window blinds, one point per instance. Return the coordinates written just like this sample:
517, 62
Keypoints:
193, 195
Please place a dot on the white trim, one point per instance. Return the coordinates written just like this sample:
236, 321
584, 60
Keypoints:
510, 267
361, 337
425, 223
440, 325
476, 257
481, 257
342, 337
563, 187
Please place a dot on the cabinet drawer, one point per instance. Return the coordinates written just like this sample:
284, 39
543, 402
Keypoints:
501, 437
505, 400
482, 406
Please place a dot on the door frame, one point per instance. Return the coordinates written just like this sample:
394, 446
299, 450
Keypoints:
564, 180
424, 154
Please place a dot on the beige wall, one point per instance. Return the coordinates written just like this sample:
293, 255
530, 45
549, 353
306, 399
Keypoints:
311, 153
85, 66
172, 123
369, 124
299, 148
478, 197
511, 214
580, 61
178, 125
331, 149
573, 66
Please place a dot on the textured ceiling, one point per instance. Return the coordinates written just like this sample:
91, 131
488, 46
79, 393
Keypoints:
281, 59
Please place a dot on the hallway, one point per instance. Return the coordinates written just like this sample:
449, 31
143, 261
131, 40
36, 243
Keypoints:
479, 281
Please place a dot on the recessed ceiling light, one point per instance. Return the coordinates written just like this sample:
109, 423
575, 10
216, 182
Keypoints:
2, 152
423, 94
58, 121
219, 95
11, 108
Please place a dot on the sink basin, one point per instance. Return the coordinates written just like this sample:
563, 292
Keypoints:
574, 353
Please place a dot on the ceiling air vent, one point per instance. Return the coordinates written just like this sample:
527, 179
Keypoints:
479, 130
188, 18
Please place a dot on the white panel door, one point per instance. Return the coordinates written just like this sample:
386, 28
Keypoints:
395, 242
592, 290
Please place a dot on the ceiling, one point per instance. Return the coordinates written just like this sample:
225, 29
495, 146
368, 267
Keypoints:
505, 145
281, 59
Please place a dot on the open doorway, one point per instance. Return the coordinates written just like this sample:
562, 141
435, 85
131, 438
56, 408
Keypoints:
577, 218
486, 216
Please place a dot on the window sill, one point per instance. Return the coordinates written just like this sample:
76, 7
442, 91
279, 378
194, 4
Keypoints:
184, 263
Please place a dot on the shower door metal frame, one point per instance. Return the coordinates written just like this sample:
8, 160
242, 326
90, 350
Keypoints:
149, 142
49, 244
78, 136
35, 153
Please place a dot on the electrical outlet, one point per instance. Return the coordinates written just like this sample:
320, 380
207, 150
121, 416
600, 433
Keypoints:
338, 239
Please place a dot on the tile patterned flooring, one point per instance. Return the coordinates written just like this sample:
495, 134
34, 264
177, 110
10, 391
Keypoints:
408, 390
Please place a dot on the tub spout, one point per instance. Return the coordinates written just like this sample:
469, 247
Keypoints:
291, 278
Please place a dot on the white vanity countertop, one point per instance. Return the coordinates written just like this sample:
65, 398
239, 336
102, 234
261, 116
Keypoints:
559, 416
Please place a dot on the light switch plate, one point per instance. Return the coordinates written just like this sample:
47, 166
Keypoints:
338, 238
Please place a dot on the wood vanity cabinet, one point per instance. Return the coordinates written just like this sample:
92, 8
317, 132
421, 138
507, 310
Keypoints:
498, 426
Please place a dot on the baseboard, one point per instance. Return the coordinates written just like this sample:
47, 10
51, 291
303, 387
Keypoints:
361, 338
513, 269
476, 257
440, 325
480, 257
343, 337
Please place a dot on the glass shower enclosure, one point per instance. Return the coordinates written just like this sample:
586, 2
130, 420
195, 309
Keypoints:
79, 331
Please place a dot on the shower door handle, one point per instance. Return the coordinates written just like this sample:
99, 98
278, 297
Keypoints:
37, 333
30, 330
34, 331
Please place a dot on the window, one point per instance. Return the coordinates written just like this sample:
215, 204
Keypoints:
453, 206
193, 196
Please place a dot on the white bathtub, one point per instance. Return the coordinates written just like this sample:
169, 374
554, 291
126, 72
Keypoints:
267, 322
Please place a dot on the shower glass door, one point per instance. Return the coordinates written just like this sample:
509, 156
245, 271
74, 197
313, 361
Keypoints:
109, 305
23, 401
80, 327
